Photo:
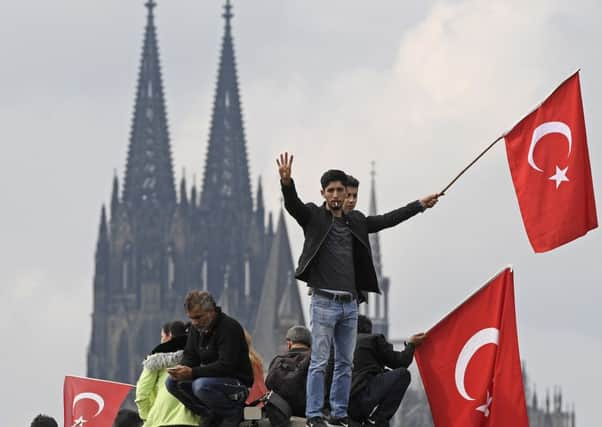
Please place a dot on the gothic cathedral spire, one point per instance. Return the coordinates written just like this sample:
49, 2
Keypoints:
226, 181
226, 193
149, 179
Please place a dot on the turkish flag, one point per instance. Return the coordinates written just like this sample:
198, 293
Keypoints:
470, 364
549, 163
92, 403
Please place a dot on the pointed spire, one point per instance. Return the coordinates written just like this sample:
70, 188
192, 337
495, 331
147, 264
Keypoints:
193, 192
374, 239
226, 178
280, 303
149, 174
102, 245
270, 231
183, 195
260, 209
114, 196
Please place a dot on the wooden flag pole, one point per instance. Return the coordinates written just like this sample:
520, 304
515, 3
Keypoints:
470, 164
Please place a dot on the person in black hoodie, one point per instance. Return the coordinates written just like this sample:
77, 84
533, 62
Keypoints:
214, 377
376, 392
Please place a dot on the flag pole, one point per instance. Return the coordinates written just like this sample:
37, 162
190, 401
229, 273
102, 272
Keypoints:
502, 136
471, 163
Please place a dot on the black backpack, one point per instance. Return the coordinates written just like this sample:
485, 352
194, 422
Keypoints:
287, 376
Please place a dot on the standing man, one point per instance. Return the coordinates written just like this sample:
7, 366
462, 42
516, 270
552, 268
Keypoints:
215, 374
336, 262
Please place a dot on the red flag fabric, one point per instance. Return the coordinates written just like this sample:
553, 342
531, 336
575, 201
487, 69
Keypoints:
92, 403
470, 364
549, 163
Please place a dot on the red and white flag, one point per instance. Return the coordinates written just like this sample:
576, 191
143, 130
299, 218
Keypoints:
549, 163
92, 403
470, 364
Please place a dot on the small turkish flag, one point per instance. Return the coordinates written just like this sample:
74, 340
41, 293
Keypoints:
549, 163
92, 403
470, 364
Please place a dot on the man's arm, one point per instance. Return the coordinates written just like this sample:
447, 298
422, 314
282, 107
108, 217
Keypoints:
292, 203
397, 359
376, 223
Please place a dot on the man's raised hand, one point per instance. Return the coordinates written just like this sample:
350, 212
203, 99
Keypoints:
285, 164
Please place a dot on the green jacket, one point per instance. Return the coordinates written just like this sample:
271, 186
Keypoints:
156, 406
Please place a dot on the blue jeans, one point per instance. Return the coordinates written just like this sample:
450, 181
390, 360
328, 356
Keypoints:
332, 322
207, 395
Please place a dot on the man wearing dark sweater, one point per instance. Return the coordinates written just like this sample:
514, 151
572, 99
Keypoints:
336, 262
376, 392
216, 372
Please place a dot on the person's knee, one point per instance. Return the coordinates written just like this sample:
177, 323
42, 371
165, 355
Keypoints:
404, 379
199, 388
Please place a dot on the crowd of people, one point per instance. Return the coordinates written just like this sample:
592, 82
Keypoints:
335, 373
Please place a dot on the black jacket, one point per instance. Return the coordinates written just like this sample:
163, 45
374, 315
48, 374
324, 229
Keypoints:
219, 351
372, 354
316, 222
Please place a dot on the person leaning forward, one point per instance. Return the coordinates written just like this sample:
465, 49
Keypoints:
336, 262
380, 375
215, 374
287, 374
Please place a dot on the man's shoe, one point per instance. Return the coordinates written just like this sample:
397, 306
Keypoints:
315, 422
338, 421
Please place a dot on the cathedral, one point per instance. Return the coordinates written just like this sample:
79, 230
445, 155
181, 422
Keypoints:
156, 242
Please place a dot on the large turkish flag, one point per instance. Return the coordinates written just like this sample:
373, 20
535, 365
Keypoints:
549, 163
470, 364
92, 403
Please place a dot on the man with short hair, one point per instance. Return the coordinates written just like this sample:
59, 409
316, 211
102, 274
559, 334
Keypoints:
287, 374
353, 186
215, 374
336, 262
377, 392
42, 420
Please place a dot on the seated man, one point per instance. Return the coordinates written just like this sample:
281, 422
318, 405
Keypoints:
215, 374
287, 375
376, 393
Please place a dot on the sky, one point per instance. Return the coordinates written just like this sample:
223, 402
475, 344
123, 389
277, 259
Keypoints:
417, 87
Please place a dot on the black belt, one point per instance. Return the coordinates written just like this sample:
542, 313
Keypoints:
335, 297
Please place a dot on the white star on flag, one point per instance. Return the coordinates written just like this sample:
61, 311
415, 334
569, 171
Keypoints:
485, 407
559, 176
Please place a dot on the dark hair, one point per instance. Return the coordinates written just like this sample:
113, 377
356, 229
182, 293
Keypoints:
333, 175
44, 421
202, 298
174, 328
127, 418
364, 324
352, 181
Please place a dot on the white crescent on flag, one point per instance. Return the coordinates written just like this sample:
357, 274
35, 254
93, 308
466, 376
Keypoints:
91, 396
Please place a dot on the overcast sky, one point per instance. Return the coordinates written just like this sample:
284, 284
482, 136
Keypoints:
418, 87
